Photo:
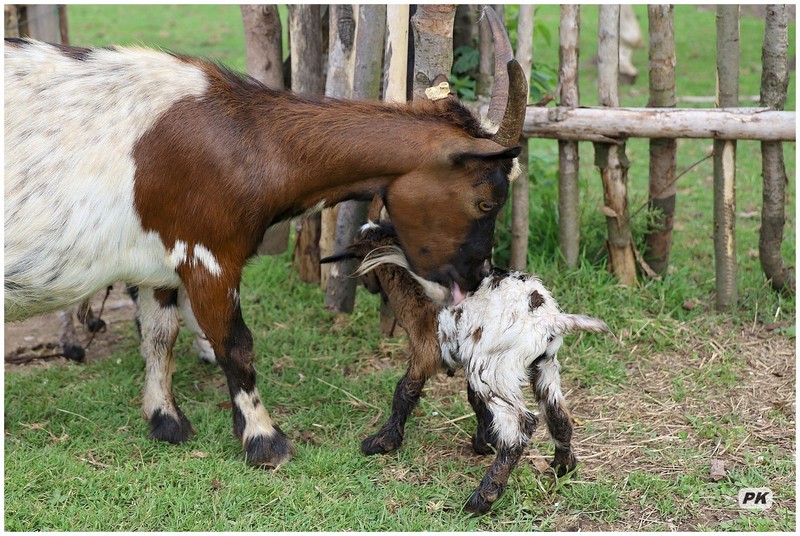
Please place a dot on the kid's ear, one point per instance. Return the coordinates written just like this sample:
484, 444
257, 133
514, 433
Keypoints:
336, 257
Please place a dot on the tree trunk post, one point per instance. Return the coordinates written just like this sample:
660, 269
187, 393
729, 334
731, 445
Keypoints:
520, 200
568, 161
370, 32
432, 26
63, 24
725, 160
610, 158
43, 22
305, 41
339, 84
774, 85
395, 89
662, 188
11, 18
264, 60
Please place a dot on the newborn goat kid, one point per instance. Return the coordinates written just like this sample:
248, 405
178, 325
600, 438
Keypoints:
505, 334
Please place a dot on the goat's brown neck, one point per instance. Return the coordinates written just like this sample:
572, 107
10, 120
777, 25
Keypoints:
336, 151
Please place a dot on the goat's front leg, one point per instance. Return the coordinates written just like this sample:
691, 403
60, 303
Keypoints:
390, 436
159, 327
546, 382
216, 307
485, 437
494, 483
424, 361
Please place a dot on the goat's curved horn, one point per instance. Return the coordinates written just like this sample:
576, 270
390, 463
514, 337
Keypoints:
510, 91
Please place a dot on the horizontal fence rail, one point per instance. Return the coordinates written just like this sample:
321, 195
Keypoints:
612, 124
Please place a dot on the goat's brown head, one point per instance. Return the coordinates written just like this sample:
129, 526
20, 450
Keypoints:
444, 212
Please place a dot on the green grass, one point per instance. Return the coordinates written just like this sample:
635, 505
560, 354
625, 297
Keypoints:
680, 386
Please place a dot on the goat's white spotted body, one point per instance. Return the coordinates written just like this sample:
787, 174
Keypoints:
85, 165
497, 333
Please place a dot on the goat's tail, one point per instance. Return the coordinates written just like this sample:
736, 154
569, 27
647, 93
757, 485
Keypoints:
394, 255
566, 323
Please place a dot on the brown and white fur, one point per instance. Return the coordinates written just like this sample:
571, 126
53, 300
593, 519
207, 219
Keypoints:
505, 334
164, 171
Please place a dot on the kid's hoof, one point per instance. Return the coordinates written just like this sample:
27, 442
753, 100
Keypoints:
269, 452
165, 427
481, 445
564, 464
380, 444
477, 504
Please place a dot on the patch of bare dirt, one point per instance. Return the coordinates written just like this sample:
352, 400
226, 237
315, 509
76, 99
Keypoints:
35, 341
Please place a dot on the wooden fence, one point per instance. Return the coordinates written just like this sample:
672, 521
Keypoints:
354, 48
608, 126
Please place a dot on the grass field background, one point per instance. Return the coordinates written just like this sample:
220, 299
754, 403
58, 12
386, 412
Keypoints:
682, 386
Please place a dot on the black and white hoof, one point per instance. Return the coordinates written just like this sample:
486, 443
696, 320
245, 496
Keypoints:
482, 498
564, 463
74, 353
269, 452
166, 427
381, 443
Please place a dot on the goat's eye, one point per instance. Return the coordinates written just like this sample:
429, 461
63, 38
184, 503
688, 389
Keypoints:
486, 206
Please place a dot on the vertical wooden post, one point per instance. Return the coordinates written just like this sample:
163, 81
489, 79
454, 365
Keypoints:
264, 60
339, 84
395, 89
63, 24
520, 199
305, 31
662, 150
11, 18
432, 25
43, 22
610, 158
568, 161
368, 55
725, 159
774, 84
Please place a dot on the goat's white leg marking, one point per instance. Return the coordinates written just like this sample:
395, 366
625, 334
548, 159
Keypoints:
257, 420
204, 256
177, 255
160, 327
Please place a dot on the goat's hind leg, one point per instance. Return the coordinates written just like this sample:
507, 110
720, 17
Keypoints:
159, 326
485, 437
71, 346
494, 483
546, 382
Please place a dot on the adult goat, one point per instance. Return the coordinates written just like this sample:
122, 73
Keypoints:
164, 171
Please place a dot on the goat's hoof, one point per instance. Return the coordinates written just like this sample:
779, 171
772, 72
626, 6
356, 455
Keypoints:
380, 444
166, 427
564, 464
481, 446
74, 353
269, 452
95, 325
478, 504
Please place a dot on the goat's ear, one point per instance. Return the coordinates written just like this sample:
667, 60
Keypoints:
336, 257
484, 150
